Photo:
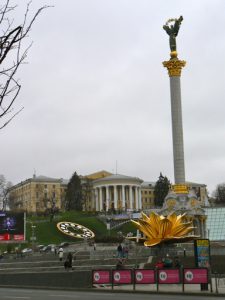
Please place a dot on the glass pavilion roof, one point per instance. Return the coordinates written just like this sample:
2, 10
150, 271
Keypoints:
215, 223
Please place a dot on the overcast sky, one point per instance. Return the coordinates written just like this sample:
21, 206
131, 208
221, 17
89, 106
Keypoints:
95, 91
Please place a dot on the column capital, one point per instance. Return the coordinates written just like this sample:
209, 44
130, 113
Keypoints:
174, 66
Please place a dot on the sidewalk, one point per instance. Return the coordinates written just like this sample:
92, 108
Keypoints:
169, 288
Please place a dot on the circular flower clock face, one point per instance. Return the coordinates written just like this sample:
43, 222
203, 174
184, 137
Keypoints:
75, 230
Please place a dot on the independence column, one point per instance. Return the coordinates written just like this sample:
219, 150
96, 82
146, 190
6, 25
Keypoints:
174, 67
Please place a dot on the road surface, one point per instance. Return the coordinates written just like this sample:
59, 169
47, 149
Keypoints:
36, 294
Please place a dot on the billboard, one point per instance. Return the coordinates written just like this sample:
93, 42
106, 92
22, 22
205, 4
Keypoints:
12, 227
144, 276
196, 276
122, 276
101, 277
169, 276
202, 253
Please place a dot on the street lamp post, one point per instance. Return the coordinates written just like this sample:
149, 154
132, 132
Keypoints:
33, 237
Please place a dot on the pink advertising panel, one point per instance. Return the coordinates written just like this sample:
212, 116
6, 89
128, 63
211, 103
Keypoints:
101, 276
144, 276
168, 276
122, 276
196, 275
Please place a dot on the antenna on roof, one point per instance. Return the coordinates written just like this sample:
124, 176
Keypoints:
34, 175
116, 167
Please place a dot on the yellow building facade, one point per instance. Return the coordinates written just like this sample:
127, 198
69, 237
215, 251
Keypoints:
38, 194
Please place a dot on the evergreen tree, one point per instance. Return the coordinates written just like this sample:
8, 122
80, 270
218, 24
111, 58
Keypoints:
161, 189
220, 194
74, 193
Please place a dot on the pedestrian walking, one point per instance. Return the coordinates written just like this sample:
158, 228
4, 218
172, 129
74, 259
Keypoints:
69, 261
60, 254
120, 251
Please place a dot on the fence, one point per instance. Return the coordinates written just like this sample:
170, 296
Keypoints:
156, 276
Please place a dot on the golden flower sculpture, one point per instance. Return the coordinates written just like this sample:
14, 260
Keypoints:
159, 229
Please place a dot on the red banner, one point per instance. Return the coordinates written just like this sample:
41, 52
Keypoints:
101, 276
122, 276
144, 276
196, 276
169, 276
18, 237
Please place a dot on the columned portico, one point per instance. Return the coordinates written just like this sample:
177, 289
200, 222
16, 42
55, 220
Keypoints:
117, 192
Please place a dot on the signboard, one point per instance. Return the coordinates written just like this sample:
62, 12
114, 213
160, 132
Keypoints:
144, 276
168, 276
202, 253
11, 226
195, 276
122, 276
101, 277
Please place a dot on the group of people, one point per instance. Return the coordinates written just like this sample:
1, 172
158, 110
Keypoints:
122, 255
68, 261
167, 262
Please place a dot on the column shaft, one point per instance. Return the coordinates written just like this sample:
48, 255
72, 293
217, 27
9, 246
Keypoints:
177, 130
123, 198
101, 204
131, 197
115, 197
136, 198
96, 200
107, 198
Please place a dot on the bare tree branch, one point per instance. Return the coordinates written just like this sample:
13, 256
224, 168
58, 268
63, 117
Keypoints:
11, 57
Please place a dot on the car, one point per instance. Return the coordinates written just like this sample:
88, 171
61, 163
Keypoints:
63, 244
39, 247
27, 251
48, 248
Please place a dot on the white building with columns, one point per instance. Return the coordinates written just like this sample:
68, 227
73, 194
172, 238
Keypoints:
117, 192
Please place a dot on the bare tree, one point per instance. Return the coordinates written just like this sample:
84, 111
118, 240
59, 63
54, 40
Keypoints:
13, 53
4, 192
219, 194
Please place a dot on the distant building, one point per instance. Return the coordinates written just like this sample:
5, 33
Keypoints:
38, 194
101, 191
147, 195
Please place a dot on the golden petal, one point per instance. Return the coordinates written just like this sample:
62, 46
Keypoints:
172, 217
155, 219
152, 242
182, 231
144, 217
165, 227
147, 229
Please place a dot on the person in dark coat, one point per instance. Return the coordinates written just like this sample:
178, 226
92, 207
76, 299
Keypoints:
68, 262
120, 251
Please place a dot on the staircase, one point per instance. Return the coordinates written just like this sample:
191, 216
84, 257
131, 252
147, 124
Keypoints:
83, 260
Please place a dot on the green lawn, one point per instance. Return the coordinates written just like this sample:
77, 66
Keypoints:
47, 233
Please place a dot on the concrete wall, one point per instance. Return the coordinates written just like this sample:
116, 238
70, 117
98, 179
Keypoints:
75, 279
